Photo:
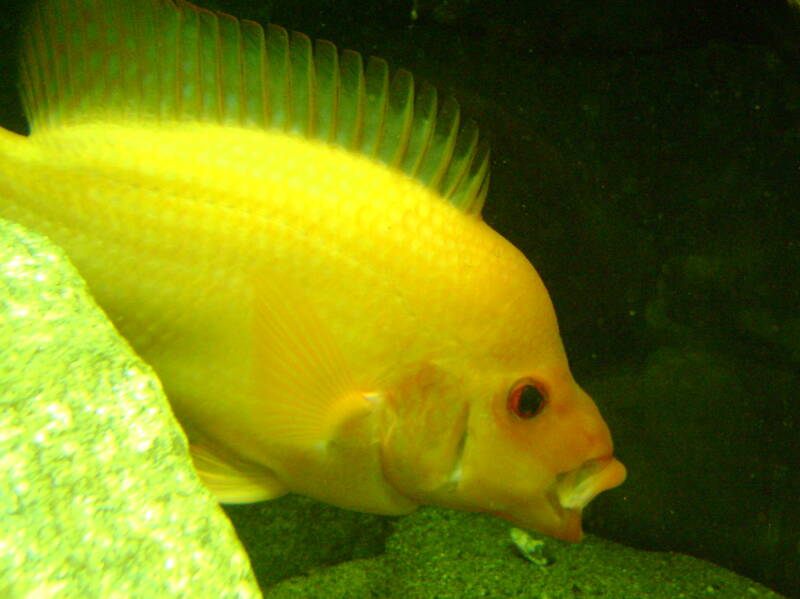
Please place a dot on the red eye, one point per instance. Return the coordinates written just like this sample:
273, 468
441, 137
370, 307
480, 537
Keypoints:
526, 399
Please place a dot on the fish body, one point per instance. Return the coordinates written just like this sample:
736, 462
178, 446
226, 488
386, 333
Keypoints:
327, 311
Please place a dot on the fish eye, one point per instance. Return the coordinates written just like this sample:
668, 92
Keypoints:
526, 399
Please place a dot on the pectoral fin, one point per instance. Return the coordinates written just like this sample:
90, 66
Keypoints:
305, 384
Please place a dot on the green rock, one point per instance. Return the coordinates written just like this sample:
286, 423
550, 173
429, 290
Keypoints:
98, 497
443, 554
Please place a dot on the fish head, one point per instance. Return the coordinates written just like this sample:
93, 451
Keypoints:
496, 422
529, 447
540, 454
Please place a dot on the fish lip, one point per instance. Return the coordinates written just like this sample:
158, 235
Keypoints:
566, 497
575, 488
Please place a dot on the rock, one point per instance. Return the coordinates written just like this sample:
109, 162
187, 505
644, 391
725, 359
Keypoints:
98, 497
444, 554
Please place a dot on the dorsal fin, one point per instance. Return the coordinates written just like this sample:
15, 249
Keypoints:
168, 60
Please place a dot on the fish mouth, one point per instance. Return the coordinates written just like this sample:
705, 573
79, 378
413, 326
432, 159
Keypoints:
573, 490
576, 488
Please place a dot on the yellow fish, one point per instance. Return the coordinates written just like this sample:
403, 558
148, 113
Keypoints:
292, 239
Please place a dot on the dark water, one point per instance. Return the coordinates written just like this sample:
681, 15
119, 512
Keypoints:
646, 157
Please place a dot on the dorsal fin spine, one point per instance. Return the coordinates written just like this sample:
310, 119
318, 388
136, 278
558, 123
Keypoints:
376, 89
301, 83
277, 75
255, 104
425, 107
399, 113
326, 69
168, 60
351, 99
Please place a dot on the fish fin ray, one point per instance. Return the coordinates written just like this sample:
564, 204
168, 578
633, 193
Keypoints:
168, 60
306, 387
230, 484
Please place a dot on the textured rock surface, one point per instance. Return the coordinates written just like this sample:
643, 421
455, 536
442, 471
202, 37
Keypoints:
445, 554
97, 494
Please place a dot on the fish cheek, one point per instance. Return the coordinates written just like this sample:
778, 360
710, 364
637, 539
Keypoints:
493, 469
507, 452
423, 432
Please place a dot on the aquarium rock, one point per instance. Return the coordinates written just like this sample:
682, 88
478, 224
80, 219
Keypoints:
98, 497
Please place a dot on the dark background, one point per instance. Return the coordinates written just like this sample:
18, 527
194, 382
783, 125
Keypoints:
646, 157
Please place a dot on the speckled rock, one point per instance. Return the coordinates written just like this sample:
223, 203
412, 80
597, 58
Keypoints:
443, 554
97, 494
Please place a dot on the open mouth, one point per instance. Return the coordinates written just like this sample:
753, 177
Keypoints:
573, 490
576, 488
